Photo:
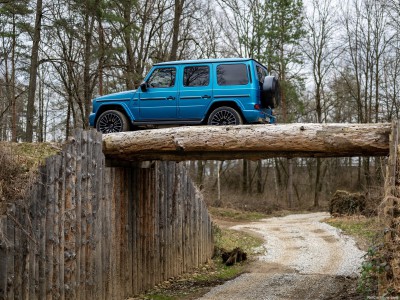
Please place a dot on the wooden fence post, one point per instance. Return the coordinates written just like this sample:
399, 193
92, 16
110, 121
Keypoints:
391, 214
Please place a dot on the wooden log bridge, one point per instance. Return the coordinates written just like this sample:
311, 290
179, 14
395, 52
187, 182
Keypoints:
249, 142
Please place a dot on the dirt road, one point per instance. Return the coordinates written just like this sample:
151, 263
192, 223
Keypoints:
302, 258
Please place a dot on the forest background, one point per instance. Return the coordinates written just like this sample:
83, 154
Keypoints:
337, 61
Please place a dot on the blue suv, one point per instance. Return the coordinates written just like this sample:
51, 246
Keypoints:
189, 92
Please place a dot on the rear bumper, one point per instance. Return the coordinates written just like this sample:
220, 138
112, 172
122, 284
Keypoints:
268, 117
267, 120
260, 116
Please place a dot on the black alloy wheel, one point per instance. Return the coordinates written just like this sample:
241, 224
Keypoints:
112, 121
225, 116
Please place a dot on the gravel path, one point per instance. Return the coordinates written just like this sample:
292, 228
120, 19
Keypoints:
303, 259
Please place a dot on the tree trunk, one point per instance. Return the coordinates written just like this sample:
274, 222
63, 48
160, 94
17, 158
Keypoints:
249, 142
175, 29
317, 191
13, 97
367, 171
259, 177
218, 201
130, 57
245, 176
33, 73
200, 171
102, 51
289, 189
41, 134
278, 179
89, 23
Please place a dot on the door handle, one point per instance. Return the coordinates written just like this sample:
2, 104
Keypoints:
170, 98
206, 97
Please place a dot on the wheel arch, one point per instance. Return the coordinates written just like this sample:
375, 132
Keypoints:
231, 104
120, 107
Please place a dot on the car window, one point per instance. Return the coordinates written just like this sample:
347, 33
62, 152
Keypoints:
196, 76
232, 74
162, 78
261, 73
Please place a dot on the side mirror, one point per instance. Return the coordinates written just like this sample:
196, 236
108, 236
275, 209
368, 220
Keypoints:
143, 86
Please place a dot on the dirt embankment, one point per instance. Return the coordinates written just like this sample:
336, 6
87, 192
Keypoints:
303, 259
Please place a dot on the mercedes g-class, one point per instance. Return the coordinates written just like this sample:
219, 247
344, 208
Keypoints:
210, 91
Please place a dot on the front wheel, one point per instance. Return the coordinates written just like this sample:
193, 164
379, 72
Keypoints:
224, 116
112, 121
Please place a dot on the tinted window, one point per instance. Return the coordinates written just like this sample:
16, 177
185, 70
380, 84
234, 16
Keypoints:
196, 76
235, 74
162, 78
261, 73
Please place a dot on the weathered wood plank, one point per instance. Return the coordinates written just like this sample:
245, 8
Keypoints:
50, 235
130, 230
140, 234
4, 244
162, 219
25, 239
42, 234
152, 227
11, 254
107, 234
170, 246
146, 230
123, 229
57, 233
18, 252
157, 220
89, 204
249, 141
61, 204
36, 214
97, 190
71, 228
85, 203
134, 200
114, 235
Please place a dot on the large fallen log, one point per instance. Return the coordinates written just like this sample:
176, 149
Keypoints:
249, 141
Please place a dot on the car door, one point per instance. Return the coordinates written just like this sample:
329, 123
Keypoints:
159, 101
195, 92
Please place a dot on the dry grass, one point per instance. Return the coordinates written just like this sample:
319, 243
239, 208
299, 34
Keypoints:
365, 230
19, 164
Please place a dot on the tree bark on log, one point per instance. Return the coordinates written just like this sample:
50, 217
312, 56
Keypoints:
249, 142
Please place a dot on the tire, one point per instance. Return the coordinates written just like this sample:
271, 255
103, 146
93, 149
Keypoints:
224, 115
270, 94
112, 121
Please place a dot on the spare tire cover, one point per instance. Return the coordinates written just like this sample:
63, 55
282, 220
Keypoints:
270, 95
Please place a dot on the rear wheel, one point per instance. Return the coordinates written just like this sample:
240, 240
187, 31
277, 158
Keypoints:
224, 116
112, 121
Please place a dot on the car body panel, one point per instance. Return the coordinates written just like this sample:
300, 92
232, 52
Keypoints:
195, 100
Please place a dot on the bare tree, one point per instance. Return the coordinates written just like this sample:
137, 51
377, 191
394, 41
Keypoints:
30, 109
367, 38
322, 52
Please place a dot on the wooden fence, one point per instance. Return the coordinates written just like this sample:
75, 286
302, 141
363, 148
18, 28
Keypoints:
91, 232
390, 212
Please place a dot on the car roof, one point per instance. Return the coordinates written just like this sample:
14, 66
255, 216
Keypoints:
202, 61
